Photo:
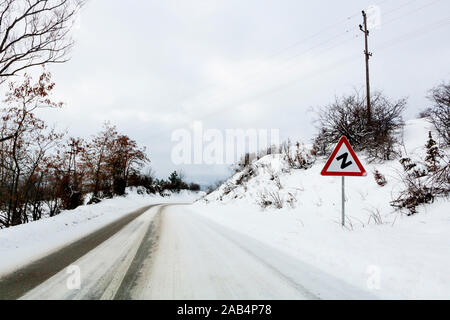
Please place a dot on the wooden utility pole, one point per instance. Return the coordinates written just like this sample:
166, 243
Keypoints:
368, 54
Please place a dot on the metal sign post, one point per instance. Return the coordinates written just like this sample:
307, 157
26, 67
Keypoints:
343, 162
343, 201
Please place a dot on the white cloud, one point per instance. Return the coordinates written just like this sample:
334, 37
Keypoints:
155, 66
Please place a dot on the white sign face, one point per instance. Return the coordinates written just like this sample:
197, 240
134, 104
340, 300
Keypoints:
343, 161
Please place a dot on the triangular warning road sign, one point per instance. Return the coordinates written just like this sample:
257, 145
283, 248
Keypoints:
343, 161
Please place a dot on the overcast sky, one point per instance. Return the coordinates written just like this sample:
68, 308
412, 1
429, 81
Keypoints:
151, 67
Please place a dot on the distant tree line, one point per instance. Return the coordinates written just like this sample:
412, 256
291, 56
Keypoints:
174, 183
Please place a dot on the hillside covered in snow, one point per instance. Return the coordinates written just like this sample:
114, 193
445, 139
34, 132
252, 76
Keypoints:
382, 249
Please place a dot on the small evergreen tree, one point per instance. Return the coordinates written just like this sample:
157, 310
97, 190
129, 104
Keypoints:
380, 179
176, 182
433, 154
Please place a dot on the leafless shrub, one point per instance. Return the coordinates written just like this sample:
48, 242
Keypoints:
246, 174
441, 179
439, 113
228, 187
347, 116
262, 199
415, 194
244, 162
274, 176
268, 198
297, 156
424, 182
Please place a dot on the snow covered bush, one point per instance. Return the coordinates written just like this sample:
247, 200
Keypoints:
439, 113
245, 175
275, 198
380, 179
228, 187
348, 116
270, 198
425, 180
417, 192
297, 156
275, 178
434, 155
412, 168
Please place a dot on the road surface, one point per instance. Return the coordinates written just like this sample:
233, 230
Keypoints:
170, 252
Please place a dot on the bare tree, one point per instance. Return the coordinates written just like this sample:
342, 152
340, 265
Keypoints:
35, 32
347, 116
439, 113
22, 157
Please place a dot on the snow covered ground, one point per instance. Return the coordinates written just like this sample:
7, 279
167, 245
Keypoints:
396, 257
25, 243
381, 252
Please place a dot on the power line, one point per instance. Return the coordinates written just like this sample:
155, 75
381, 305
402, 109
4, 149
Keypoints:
338, 63
294, 45
412, 11
332, 66
285, 63
414, 33
402, 38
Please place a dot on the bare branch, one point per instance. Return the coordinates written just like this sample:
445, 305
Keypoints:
35, 33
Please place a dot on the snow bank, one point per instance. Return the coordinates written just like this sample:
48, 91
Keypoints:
25, 243
396, 257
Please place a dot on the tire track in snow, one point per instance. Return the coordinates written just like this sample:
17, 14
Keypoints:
18, 283
142, 260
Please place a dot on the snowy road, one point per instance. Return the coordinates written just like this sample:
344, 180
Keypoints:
170, 252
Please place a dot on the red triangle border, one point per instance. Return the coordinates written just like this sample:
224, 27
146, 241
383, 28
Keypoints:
342, 141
